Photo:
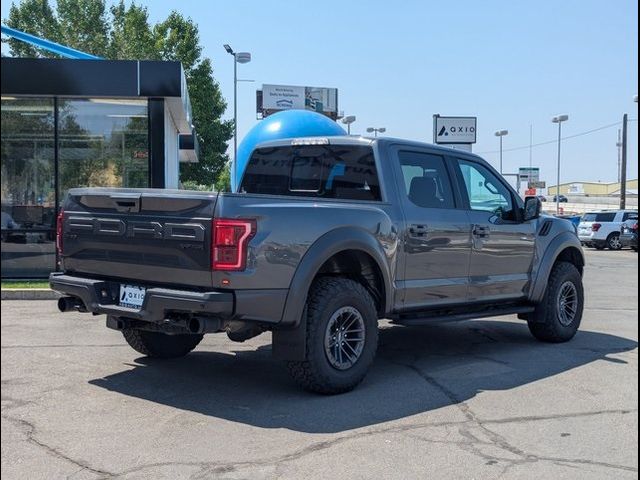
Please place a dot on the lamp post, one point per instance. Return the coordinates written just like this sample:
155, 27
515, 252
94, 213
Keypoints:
238, 57
348, 121
375, 131
500, 134
559, 119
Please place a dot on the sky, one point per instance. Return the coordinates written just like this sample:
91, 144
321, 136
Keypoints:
395, 64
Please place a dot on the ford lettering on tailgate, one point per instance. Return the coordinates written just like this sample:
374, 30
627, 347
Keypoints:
135, 228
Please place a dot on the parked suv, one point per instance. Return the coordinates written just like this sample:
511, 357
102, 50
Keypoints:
325, 237
602, 229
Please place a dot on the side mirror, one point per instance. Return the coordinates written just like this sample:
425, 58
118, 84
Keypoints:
532, 208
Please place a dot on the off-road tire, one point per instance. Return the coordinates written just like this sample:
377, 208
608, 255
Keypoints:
544, 323
326, 297
160, 345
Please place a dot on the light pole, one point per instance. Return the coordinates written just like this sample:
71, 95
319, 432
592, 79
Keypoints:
559, 119
376, 130
501, 133
348, 121
238, 57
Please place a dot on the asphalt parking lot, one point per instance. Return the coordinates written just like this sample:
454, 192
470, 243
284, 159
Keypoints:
478, 399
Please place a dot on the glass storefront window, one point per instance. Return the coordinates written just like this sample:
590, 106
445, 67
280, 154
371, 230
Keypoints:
100, 143
28, 187
103, 143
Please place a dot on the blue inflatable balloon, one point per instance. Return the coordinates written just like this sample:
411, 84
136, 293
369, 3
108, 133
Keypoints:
285, 124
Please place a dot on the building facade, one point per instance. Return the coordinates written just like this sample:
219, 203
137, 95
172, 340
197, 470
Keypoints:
594, 189
82, 123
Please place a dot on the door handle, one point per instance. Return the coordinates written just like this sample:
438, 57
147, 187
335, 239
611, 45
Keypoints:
480, 231
418, 231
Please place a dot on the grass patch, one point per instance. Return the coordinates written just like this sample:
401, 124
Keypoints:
24, 284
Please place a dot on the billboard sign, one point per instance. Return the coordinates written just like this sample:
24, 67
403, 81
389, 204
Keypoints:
288, 97
447, 130
529, 174
537, 184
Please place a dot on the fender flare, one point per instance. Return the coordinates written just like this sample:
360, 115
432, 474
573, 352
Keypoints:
554, 249
335, 241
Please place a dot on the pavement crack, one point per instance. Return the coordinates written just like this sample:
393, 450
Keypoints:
30, 432
473, 444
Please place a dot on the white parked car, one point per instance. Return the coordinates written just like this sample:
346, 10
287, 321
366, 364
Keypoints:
602, 229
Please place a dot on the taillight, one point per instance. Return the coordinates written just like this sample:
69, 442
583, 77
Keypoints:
230, 238
59, 231
595, 227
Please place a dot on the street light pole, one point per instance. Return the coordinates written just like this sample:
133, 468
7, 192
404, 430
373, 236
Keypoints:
235, 116
348, 120
501, 133
239, 57
559, 119
375, 131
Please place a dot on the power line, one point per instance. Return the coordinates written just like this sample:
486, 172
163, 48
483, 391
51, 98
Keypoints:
549, 142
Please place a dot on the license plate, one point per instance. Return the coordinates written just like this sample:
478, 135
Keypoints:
131, 296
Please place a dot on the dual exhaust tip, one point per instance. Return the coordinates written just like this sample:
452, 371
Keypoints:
71, 304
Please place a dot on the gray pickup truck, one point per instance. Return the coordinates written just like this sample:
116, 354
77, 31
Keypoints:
325, 237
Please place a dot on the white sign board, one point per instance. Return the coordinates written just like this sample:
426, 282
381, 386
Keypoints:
454, 129
576, 188
288, 97
282, 97
527, 174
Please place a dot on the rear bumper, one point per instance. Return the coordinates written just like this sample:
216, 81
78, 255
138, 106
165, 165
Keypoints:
101, 297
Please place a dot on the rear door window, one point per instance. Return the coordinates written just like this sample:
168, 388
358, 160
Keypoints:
326, 171
426, 180
606, 217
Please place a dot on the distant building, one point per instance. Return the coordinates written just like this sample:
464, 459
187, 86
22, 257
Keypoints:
594, 189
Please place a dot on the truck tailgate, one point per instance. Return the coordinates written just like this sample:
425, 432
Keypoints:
146, 236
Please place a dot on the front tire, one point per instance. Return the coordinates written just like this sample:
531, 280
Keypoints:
342, 337
160, 345
558, 316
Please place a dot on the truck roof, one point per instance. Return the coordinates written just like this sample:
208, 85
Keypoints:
364, 140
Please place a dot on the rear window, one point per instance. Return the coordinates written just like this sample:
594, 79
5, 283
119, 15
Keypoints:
599, 217
326, 171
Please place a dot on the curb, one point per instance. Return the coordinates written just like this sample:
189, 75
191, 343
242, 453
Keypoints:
29, 294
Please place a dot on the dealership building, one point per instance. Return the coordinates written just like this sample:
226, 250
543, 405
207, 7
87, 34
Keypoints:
83, 123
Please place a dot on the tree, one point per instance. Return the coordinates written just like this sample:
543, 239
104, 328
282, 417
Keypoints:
124, 32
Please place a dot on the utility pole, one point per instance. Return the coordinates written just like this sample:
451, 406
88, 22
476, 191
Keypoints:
530, 153
623, 165
619, 145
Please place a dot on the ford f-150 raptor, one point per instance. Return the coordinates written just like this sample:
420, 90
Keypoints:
324, 237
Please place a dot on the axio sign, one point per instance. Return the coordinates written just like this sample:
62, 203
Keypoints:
448, 130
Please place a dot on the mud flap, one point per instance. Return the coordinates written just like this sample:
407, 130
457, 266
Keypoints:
291, 344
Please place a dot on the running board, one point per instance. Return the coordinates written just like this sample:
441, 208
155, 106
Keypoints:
426, 318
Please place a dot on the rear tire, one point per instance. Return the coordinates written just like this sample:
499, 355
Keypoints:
160, 345
342, 337
613, 241
557, 318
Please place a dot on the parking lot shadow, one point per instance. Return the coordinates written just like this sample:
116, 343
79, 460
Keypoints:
417, 369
